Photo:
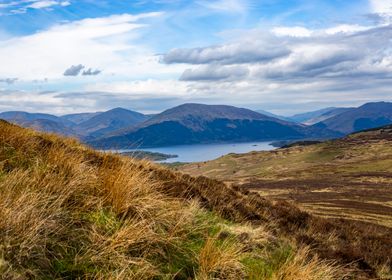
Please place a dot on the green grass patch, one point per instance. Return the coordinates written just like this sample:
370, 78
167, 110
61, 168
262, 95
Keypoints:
263, 264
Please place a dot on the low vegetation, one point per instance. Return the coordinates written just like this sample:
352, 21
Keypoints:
348, 178
69, 212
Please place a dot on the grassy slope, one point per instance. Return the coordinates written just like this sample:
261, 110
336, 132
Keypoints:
350, 178
68, 212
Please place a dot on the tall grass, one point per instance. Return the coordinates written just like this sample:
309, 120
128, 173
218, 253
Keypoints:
68, 212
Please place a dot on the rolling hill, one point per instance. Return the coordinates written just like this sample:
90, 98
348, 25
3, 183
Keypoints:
69, 212
346, 178
198, 123
367, 116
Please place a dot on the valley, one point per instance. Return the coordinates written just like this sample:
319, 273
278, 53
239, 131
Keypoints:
347, 178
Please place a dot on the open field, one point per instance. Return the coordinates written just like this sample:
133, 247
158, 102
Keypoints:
348, 178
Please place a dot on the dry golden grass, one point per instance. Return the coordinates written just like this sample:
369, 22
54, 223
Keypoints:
218, 259
300, 266
68, 212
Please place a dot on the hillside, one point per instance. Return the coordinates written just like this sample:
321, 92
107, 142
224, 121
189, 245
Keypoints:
83, 125
68, 212
326, 115
41, 122
110, 121
198, 124
349, 177
47, 125
269, 114
367, 116
307, 116
80, 118
21, 118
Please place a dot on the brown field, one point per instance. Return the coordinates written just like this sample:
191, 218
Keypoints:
349, 178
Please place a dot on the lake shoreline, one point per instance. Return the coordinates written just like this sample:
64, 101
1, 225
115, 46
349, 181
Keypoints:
197, 152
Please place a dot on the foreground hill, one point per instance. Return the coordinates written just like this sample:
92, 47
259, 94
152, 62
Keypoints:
367, 116
68, 212
198, 123
349, 177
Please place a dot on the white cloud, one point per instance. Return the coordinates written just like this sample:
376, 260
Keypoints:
22, 6
142, 88
47, 4
100, 43
296, 31
227, 6
381, 6
346, 28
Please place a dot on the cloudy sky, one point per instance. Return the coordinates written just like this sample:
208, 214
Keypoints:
284, 56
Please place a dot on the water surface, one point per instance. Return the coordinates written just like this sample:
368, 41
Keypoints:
205, 152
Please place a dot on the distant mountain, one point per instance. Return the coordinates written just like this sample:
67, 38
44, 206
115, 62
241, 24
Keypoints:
41, 122
83, 125
46, 125
19, 117
110, 121
370, 115
269, 114
326, 115
79, 118
310, 118
197, 123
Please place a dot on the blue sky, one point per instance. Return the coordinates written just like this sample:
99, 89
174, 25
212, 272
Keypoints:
64, 56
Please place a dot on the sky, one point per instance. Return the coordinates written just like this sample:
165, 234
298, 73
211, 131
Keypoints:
283, 56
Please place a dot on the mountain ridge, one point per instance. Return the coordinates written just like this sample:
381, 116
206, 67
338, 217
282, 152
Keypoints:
198, 123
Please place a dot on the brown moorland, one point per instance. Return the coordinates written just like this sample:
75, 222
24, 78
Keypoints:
348, 178
69, 212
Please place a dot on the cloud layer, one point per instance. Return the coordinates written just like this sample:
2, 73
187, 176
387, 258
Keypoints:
325, 54
221, 51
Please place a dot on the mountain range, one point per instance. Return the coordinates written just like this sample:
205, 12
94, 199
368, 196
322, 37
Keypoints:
310, 118
198, 124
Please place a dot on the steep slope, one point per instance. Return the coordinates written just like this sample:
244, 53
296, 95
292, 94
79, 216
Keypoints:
68, 212
367, 116
107, 122
197, 123
81, 117
348, 178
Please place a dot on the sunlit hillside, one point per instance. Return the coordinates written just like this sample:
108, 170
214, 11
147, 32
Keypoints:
69, 212
349, 178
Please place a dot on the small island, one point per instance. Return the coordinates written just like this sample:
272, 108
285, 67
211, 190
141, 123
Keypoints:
154, 156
